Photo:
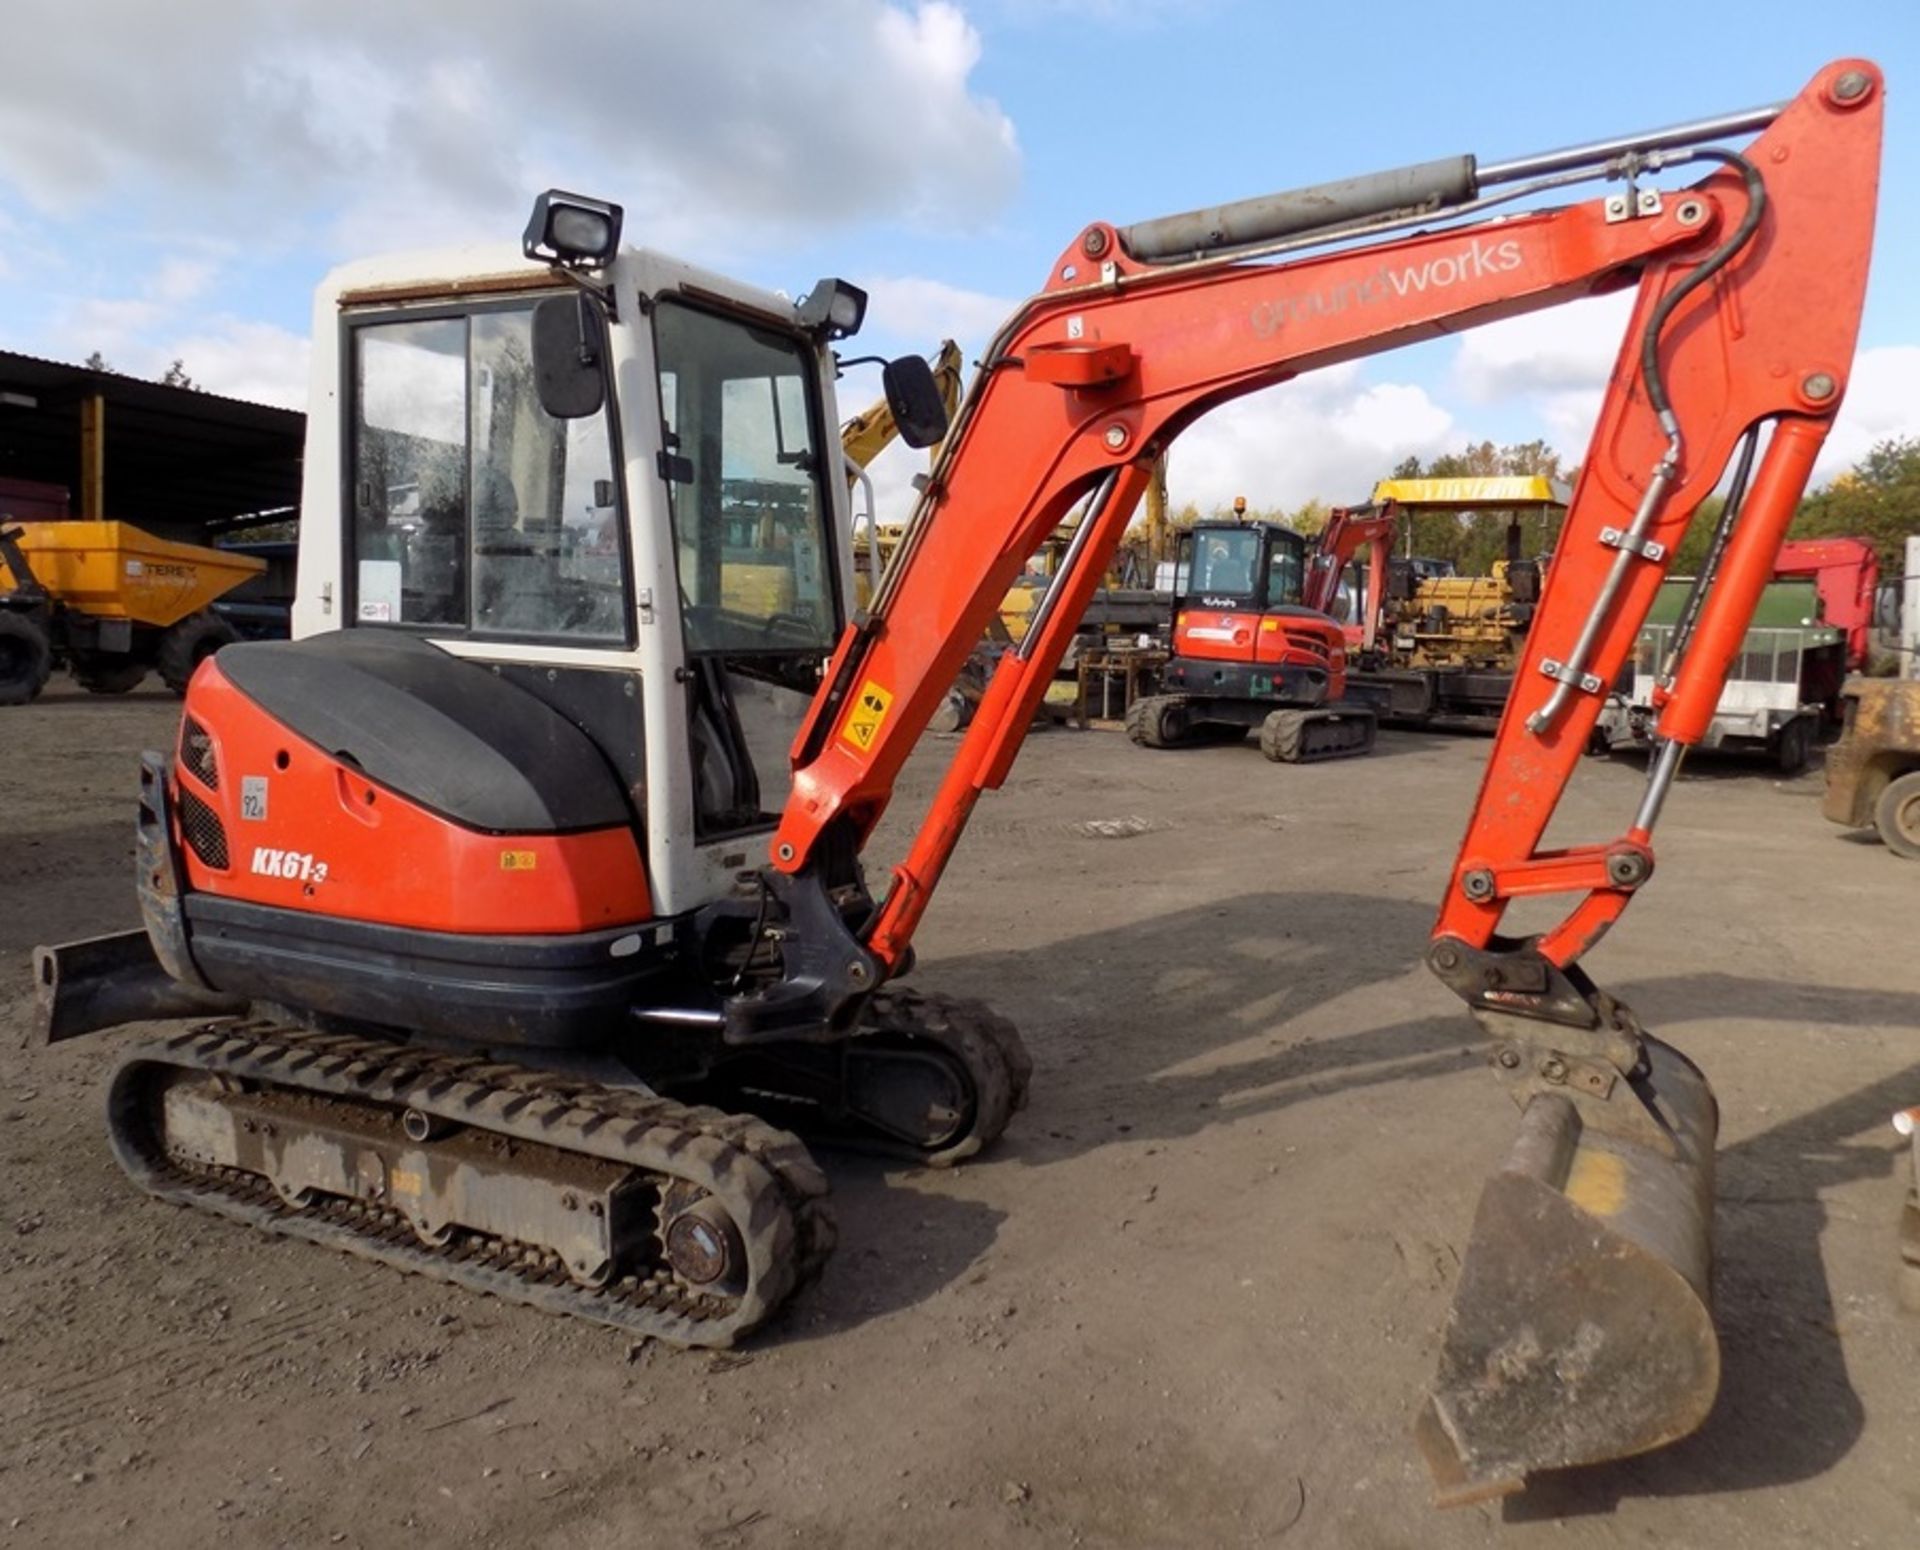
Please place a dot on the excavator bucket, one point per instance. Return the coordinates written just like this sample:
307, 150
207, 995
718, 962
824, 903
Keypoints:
1581, 1329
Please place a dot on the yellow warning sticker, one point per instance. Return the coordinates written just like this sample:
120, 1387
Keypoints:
519, 860
869, 713
1597, 1182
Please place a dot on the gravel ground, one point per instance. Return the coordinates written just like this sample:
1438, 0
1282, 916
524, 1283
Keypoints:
1193, 1297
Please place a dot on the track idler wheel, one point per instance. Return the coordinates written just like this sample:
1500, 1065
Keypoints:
1581, 1329
701, 1242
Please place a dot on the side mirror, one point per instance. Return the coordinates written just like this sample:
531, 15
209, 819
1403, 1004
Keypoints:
914, 397
569, 349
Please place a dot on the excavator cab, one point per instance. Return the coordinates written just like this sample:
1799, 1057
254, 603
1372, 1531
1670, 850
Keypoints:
1247, 653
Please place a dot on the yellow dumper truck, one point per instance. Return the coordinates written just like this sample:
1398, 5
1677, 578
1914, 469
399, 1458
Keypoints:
109, 602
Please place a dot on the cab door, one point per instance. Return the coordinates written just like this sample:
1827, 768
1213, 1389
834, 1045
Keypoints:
1218, 618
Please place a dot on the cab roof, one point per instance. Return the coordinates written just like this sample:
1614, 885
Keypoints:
1477, 493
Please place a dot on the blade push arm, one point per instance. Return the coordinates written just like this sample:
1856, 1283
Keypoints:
1094, 377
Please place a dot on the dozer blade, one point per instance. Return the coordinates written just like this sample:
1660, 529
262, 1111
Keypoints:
1581, 1329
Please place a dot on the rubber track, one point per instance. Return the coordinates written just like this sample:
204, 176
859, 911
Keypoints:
988, 1045
1143, 720
765, 1177
1295, 736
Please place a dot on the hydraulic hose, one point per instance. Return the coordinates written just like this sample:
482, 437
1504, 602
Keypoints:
1714, 262
1573, 671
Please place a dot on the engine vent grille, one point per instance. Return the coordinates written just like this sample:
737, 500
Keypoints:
206, 835
196, 753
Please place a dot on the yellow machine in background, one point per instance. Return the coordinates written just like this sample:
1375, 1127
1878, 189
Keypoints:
114, 570
1448, 644
109, 601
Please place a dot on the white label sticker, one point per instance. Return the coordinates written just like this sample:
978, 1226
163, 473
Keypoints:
135, 568
380, 591
253, 798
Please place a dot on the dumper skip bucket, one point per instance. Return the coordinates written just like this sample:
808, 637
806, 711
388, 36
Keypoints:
1581, 1329
117, 571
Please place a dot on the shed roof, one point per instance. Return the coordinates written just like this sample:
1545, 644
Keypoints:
177, 460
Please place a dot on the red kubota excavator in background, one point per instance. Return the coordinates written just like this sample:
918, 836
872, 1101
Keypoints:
528, 876
1247, 653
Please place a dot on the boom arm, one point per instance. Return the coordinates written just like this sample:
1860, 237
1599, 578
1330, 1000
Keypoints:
1749, 294
1580, 1329
1348, 531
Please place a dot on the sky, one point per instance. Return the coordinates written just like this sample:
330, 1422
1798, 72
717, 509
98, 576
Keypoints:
175, 179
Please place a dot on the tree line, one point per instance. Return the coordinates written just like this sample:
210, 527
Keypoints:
174, 376
1878, 499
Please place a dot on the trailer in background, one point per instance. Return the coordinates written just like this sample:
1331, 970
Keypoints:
1781, 689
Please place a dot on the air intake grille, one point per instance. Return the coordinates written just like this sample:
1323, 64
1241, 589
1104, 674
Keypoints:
206, 835
196, 753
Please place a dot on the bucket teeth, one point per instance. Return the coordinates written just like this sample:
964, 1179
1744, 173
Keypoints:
1581, 1328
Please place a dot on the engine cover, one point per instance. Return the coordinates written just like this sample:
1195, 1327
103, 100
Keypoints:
371, 827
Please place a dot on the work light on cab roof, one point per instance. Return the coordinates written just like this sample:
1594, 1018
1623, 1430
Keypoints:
572, 230
833, 309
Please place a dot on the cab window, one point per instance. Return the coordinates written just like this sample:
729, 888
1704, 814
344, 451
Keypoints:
473, 508
1283, 572
1224, 560
744, 479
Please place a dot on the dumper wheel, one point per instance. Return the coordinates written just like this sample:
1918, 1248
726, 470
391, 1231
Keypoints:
108, 672
190, 642
1897, 815
26, 658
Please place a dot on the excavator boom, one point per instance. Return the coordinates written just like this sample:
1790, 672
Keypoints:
1749, 284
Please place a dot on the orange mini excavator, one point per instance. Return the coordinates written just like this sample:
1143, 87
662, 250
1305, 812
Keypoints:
1247, 652
523, 887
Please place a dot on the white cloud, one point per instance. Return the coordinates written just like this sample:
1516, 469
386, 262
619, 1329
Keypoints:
254, 361
1557, 361
730, 118
728, 128
923, 312
1567, 349
181, 279
1327, 436
1882, 402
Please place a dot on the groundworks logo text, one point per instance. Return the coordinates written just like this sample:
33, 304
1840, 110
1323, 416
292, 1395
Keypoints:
1433, 274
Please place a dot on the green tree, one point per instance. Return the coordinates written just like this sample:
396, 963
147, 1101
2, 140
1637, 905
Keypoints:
176, 376
1878, 500
1310, 518
96, 362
